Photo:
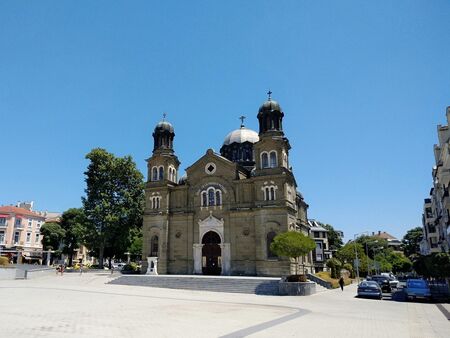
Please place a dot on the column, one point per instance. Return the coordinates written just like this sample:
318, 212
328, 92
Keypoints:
198, 258
226, 258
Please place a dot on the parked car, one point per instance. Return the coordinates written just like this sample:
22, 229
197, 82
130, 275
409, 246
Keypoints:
417, 288
382, 281
393, 281
369, 289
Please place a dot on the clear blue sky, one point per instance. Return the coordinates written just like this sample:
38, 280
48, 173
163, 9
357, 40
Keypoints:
363, 85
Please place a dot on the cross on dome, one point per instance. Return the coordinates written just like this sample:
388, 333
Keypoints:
242, 118
269, 93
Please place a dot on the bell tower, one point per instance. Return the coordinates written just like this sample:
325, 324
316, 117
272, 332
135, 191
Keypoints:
272, 150
163, 165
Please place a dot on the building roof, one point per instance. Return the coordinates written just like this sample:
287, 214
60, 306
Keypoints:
21, 211
315, 226
385, 235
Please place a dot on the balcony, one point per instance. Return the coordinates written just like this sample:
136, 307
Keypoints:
19, 227
445, 153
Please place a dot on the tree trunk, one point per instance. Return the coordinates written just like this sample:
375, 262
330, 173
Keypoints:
71, 256
101, 250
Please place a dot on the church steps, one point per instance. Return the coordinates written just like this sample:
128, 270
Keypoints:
261, 286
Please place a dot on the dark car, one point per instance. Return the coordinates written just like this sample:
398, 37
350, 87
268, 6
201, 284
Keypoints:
369, 289
382, 281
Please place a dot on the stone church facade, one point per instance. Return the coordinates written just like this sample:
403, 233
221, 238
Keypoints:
221, 217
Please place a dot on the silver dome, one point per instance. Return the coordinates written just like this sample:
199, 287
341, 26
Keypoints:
241, 135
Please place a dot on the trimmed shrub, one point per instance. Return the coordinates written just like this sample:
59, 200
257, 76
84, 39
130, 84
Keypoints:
4, 261
296, 278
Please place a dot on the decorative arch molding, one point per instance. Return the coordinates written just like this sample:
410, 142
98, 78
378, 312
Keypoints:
211, 223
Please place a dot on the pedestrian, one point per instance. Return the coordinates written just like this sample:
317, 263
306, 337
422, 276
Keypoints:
341, 283
81, 268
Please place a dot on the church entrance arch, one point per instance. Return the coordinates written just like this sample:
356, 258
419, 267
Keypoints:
211, 254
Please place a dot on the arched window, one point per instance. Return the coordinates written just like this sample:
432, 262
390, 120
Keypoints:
270, 236
154, 246
161, 173
218, 197
264, 160
266, 194
204, 199
211, 197
273, 159
272, 193
158, 201
154, 174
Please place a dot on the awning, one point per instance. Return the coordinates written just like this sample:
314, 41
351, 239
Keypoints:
18, 216
5, 215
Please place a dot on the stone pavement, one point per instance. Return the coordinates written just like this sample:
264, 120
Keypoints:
85, 306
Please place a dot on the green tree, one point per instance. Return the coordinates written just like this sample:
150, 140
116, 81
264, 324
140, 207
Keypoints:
292, 244
411, 241
73, 223
436, 265
334, 239
347, 254
53, 235
372, 245
113, 204
335, 266
135, 247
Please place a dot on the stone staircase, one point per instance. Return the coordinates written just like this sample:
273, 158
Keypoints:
250, 285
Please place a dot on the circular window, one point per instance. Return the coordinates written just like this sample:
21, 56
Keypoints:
210, 168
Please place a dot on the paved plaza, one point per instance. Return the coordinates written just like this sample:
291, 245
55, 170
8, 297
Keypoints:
85, 305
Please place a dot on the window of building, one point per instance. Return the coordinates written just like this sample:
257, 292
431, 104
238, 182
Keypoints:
270, 236
37, 238
154, 174
156, 202
161, 173
316, 234
269, 193
319, 257
2, 236
218, 197
2, 220
28, 237
16, 237
30, 223
204, 199
211, 197
264, 160
38, 225
18, 222
154, 246
273, 159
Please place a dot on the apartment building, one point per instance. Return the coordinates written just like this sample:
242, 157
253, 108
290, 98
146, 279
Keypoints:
436, 214
322, 251
20, 237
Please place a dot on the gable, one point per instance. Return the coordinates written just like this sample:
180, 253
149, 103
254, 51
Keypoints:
212, 165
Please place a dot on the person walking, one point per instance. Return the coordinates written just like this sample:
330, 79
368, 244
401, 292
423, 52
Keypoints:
341, 283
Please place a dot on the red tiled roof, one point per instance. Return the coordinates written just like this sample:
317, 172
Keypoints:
385, 235
19, 211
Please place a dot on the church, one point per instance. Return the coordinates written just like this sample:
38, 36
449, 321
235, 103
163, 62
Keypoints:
221, 217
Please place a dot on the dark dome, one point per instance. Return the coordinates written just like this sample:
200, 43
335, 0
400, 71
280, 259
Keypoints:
164, 126
269, 105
